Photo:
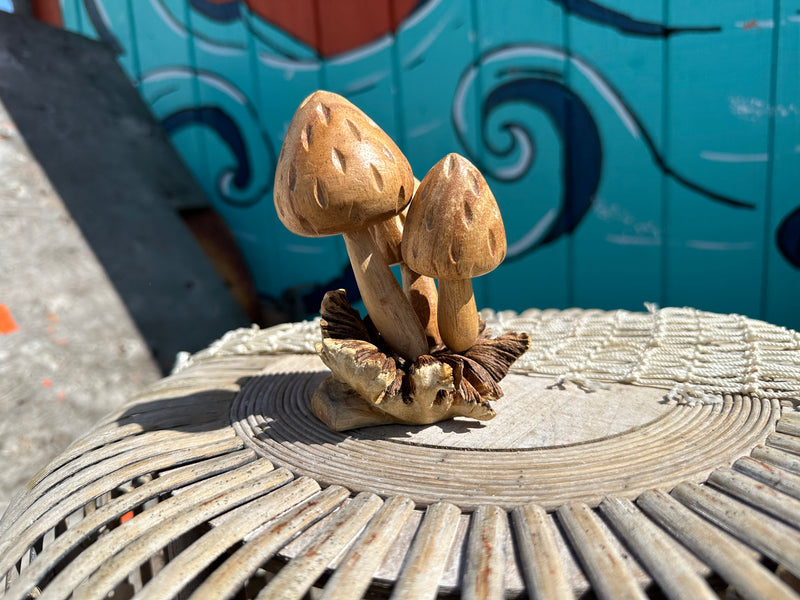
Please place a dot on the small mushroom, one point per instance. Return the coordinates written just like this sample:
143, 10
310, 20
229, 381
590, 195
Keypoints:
454, 232
420, 289
339, 173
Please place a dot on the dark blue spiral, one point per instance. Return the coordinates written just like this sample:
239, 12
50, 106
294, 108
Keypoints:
624, 23
224, 13
787, 237
228, 131
580, 139
101, 27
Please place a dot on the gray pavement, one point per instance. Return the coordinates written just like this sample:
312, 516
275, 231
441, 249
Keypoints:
100, 282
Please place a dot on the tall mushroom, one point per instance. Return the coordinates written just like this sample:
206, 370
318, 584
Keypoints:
420, 289
454, 232
339, 173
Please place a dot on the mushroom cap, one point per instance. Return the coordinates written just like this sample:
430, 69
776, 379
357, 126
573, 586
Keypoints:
338, 171
453, 229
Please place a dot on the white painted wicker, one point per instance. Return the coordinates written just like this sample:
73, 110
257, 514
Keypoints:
217, 482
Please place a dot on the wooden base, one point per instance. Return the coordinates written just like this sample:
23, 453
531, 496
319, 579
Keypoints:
372, 386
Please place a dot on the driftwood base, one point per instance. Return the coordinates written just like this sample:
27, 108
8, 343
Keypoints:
370, 385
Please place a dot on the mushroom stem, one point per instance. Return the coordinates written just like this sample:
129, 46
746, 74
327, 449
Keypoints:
458, 316
421, 292
387, 305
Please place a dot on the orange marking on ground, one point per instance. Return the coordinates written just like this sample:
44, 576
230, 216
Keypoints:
61, 395
47, 383
7, 323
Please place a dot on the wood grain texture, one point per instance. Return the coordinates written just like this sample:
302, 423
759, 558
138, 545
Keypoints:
767, 535
354, 574
757, 494
222, 492
233, 573
208, 548
294, 580
339, 173
72, 495
106, 515
722, 553
778, 478
544, 570
778, 458
454, 232
605, 567
486, 560
665, 560
426, 559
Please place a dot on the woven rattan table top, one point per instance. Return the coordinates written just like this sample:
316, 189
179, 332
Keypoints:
633, 454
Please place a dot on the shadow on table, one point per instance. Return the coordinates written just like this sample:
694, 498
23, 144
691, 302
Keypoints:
277, 407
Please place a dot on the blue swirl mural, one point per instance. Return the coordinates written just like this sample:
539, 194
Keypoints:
227, 115
534, 74
215, 118
224, 77
100, 22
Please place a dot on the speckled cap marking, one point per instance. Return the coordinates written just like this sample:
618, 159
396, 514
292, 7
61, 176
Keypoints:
453, 228
338, 171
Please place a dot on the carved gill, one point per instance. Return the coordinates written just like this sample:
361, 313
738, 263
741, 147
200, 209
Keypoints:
320, 195
454, 252
429, 222
449, 165
467, 213
377, 180
338, 160
474, 184
305, 224
324, 113
353, 129
305, 137
388, 153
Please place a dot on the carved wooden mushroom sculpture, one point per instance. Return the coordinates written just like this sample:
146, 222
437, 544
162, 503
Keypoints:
339, 173
454, 232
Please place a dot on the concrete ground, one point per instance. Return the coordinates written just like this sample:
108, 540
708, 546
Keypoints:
100, 281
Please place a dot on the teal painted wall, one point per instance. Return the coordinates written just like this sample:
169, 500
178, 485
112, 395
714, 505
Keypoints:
639, 151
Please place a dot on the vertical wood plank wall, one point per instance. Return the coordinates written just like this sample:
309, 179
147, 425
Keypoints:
639, 151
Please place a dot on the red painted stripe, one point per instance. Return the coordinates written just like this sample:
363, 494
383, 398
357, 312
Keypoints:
48, 11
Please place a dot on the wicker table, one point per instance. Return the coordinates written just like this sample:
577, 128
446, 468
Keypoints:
634, 453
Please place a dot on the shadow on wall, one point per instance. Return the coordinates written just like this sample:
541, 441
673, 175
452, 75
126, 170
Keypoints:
119, 179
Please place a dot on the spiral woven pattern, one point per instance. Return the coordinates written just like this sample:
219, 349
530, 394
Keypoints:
272, 414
